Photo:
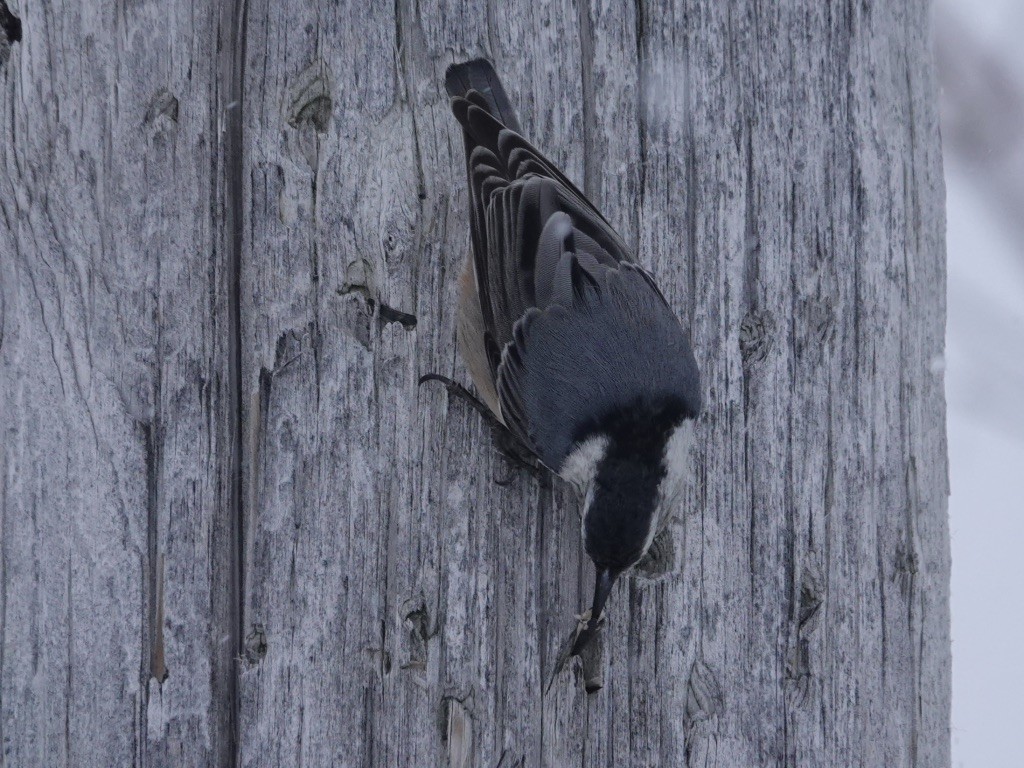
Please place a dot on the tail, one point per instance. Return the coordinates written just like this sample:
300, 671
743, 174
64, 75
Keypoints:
478, 75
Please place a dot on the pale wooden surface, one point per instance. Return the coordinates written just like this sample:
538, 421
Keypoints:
112, 390
229, 241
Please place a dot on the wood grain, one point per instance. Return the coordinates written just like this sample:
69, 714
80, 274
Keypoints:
116, 603
236, 531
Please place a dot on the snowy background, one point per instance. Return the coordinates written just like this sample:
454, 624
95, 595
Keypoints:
981, 69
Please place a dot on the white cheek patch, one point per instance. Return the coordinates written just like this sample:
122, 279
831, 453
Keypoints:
580, 465
678, 464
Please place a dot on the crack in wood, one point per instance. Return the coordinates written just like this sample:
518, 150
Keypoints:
458, 732
641, 115
151, 433
590, 163
232, 80
158, 666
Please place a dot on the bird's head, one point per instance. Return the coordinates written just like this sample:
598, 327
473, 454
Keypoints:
637, 469
620, 518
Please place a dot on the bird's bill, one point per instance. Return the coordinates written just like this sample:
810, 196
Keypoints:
602, 588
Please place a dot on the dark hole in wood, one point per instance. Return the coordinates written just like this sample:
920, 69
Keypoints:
391, 315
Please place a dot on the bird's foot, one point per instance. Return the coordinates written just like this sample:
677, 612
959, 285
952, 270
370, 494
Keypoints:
516, 454
454, 388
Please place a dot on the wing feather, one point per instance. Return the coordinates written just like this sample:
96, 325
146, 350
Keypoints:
614, 343
571, 328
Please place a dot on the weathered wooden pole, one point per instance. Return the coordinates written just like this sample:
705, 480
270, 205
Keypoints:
235, 531
116, 607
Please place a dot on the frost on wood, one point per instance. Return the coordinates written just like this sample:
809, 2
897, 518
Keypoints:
234, 529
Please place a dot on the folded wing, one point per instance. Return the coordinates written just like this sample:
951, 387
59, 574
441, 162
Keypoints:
570, 328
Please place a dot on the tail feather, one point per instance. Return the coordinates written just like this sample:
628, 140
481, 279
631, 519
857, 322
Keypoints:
478, 75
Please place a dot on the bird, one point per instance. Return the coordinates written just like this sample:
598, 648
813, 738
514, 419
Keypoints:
572, 347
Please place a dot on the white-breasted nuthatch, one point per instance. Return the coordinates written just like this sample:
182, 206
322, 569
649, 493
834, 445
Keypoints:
571, 345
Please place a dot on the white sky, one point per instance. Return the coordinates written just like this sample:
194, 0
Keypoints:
985, 396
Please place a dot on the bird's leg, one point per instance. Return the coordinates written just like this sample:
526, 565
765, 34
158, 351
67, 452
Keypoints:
508, 445
454, 388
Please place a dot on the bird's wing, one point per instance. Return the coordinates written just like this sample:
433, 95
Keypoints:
606, 341
523, 212
571, 328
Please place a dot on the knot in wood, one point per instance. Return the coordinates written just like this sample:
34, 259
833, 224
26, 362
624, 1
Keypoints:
311, 102
755, 337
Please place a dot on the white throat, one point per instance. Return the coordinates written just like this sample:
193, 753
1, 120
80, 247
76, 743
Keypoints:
678, 464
